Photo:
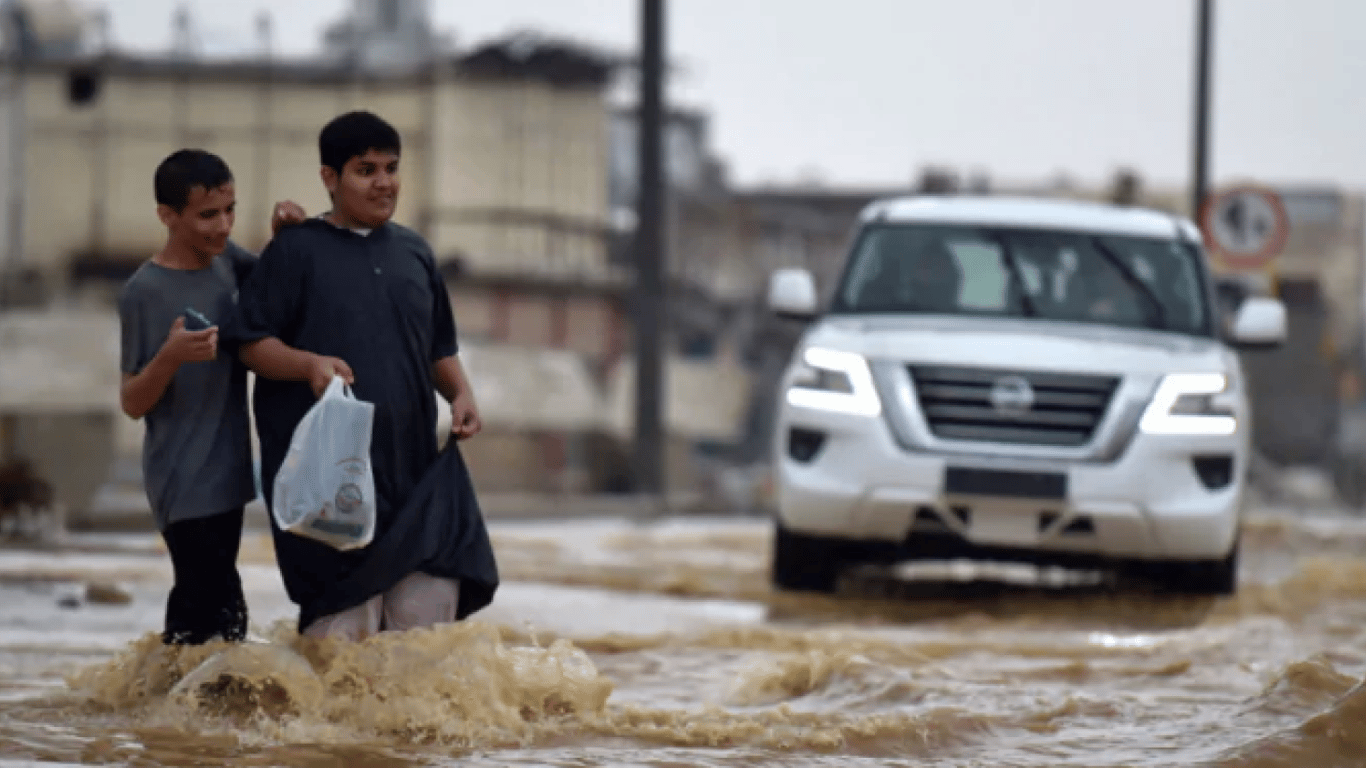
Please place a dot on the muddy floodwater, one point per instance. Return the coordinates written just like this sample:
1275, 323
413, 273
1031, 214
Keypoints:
612, 643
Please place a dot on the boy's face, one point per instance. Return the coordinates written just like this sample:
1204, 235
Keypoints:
367, 190
205, 223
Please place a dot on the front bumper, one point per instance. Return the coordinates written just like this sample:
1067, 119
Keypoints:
1147, 501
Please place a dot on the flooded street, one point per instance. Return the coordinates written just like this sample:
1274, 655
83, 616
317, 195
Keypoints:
617, 644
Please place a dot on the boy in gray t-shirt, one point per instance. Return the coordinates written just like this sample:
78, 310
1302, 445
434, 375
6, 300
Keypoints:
197, 459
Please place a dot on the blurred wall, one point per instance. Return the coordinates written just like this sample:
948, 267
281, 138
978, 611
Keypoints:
505, 172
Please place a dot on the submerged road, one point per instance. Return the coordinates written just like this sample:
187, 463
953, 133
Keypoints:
617, 644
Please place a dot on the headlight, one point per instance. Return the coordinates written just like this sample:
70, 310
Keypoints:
1191, 404
830, 380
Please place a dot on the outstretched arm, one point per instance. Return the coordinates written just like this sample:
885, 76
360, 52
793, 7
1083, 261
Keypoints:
268, 305
273, 359
454, 385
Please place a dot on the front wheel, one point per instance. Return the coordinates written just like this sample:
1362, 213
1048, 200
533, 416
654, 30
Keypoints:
803, 563
1200, 577
806, 563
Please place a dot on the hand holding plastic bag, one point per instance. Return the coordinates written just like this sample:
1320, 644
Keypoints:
325, 488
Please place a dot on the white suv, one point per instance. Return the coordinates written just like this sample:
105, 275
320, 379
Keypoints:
1015, 379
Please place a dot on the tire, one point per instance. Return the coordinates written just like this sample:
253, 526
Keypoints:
1348, 479
1202, 577
804, 563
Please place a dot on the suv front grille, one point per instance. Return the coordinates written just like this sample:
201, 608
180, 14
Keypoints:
1064, 409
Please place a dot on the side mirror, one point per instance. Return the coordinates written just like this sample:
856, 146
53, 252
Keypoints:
792, 294
1259, 324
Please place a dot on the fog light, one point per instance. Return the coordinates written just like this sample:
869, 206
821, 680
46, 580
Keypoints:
1215, 472
804, 444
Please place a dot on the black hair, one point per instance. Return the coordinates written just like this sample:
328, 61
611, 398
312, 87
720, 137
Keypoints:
185, 169
352, 135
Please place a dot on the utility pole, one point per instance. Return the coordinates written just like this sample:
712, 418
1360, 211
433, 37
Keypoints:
650, 256
1203, 44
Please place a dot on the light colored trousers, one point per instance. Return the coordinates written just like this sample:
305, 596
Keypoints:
418, 600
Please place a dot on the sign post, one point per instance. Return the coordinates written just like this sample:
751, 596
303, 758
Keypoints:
1245, 228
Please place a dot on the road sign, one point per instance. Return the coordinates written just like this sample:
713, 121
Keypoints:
1245, 228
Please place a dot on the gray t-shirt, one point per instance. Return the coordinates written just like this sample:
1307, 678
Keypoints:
196, 456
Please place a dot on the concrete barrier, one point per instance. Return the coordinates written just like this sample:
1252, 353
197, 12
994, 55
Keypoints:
59, 399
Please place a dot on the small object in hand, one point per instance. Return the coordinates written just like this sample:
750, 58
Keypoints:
195, 321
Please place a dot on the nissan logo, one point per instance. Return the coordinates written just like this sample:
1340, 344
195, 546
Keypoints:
1011, 396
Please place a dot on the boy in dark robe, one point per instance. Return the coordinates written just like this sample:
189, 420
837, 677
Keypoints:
353, 294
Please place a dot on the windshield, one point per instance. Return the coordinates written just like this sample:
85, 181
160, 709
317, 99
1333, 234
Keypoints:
1043, 274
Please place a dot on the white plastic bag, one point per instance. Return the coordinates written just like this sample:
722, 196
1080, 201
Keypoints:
325, 489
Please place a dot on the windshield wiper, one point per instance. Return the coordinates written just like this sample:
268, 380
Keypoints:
1026, 303
1134, 281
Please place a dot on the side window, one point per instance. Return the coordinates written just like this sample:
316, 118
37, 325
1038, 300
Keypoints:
1168, 272
1176, 269
867, 264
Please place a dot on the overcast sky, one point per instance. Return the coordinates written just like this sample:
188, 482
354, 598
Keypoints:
867, 91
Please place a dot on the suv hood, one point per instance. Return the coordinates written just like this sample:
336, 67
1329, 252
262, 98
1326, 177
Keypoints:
1022, 344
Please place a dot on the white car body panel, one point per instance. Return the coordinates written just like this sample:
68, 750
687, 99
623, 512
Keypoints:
1007, 211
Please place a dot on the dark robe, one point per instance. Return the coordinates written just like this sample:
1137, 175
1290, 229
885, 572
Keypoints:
377, 302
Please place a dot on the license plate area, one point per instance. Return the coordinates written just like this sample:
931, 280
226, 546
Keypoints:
1006, 484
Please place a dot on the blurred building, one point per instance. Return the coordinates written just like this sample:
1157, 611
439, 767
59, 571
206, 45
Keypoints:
1298, 390
691, 167
504, 156
385, 34
48, 29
